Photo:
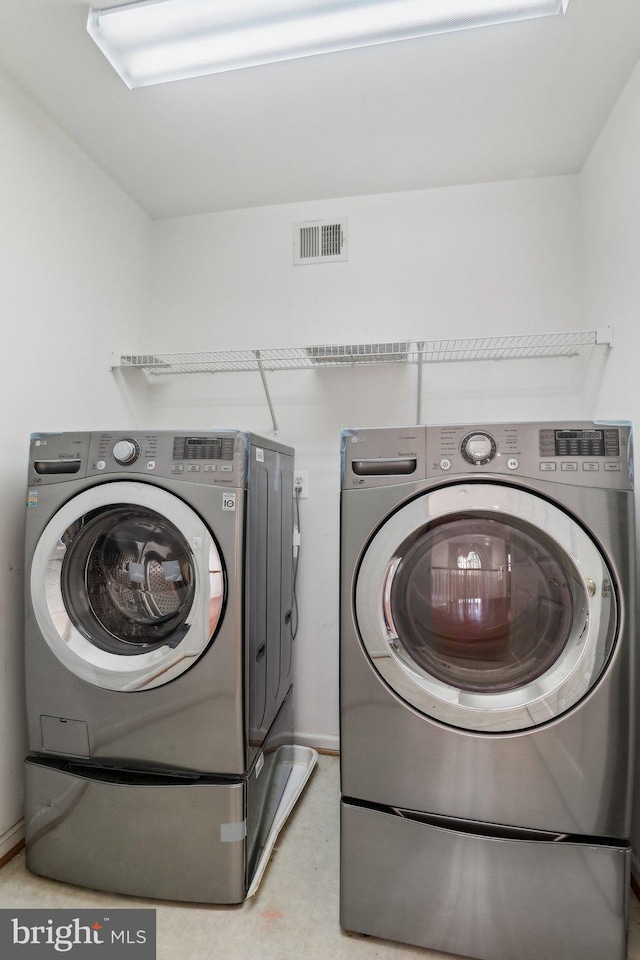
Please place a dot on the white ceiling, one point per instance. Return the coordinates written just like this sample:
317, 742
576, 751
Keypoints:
517, 100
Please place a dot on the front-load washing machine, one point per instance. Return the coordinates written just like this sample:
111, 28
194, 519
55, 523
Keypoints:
487, 633
158, 658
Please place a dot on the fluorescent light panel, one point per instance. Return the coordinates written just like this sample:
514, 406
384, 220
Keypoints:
159, 40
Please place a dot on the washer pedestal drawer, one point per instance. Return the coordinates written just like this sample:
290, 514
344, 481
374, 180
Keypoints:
482, 891
147, 835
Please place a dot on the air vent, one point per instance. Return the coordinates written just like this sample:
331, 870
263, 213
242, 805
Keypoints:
319, 241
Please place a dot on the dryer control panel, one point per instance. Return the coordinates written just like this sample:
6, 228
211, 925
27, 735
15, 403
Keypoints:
579, 453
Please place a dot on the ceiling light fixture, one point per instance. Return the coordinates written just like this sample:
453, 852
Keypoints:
154, 41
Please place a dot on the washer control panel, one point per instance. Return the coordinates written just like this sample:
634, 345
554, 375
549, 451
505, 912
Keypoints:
203, 448
219, 458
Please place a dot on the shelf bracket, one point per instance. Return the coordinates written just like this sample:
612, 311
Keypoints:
605, 336
420, 346
266, 391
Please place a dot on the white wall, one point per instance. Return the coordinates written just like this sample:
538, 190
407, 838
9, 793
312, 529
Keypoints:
489, 259
610, 195
74, 278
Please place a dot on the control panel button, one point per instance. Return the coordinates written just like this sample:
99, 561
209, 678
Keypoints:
100, 465
151, 464
611, 467
590, 466
569, 465
227, 468
193, 468
177, 468
445, 464
547, 466
126, 451
513, 463
210, 468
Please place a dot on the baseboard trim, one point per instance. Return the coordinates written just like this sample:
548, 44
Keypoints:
11, 842
319, 742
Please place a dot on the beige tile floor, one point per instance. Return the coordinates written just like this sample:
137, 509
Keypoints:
294, 915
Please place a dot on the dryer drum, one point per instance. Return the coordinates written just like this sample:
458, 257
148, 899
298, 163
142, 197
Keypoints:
485, 607
127, 579
481, 603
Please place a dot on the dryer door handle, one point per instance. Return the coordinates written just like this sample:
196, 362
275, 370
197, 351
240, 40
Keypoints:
390, 573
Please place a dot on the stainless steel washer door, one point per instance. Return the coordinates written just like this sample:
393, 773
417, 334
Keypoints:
127, 586
486, 607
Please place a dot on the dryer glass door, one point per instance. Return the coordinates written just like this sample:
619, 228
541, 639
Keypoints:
481, 603
486, 607
127, 585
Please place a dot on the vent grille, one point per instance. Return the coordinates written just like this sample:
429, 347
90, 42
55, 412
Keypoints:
331, 240
309, 243
319, 241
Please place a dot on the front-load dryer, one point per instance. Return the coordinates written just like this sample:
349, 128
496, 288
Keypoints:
158, 657
487, 629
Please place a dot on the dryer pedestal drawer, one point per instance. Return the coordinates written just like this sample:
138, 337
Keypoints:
482, 892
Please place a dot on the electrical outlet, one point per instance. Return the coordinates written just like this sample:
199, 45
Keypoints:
301, 479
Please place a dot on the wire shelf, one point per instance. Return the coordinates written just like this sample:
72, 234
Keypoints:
317, 357
511, 347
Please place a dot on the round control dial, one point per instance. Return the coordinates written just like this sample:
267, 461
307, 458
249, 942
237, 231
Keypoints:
126, 451
478, 448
